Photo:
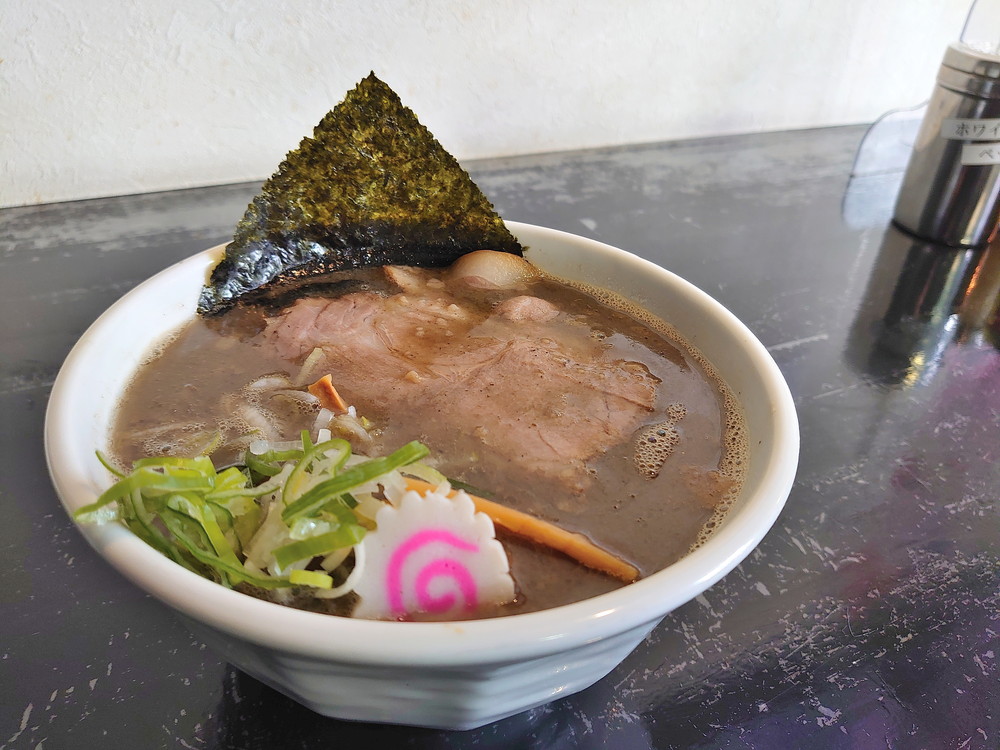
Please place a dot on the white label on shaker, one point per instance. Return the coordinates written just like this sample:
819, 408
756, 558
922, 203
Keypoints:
980, 154
970, 130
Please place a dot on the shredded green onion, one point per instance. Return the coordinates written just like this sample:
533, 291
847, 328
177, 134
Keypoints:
222, 525
324, 544
268, 464
319, 461
321, 494
107, 465
311, 578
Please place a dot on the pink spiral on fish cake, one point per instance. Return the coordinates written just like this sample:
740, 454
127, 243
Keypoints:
439, 567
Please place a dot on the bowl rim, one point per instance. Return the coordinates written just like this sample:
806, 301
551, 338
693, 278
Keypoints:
510, 638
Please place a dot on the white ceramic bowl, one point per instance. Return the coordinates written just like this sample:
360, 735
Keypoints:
449, 675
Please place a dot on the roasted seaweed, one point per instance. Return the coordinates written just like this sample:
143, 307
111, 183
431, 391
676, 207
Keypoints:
371, 187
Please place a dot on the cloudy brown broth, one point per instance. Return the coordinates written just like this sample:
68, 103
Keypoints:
690, 435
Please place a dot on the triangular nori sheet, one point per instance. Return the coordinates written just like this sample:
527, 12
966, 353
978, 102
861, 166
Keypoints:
371, 187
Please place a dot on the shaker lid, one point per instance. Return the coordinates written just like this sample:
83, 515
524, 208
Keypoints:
968, 60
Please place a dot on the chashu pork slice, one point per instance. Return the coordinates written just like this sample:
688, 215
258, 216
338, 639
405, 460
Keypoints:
530, 386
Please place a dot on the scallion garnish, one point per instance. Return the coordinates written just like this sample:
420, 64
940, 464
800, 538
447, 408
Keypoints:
222, 525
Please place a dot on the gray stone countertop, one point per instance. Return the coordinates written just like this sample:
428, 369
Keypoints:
867, 618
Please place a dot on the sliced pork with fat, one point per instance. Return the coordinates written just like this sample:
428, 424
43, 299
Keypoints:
534, 386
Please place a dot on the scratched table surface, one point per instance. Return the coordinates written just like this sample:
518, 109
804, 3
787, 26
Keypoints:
869, 615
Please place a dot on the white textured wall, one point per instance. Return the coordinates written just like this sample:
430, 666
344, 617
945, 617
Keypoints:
100, 97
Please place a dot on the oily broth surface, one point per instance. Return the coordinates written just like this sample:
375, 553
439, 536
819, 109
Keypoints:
197, 379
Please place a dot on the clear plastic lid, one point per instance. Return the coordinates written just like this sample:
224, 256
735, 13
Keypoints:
978, 49
982, 27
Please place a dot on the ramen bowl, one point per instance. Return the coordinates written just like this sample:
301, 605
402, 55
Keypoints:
455, 675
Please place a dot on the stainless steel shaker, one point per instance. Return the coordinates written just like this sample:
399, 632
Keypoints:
951, 191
